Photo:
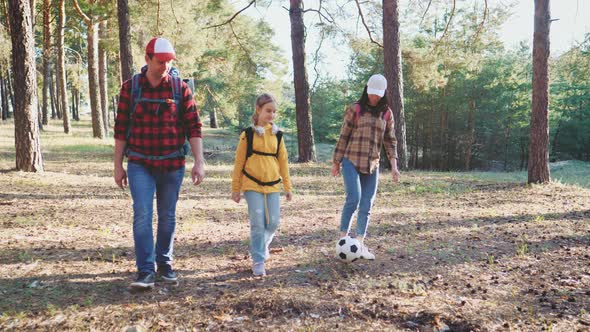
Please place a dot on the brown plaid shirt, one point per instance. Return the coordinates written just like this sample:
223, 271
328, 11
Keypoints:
361, 139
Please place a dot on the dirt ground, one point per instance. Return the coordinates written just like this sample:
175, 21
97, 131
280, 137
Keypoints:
453, 253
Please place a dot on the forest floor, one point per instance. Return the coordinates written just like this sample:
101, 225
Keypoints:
455, 251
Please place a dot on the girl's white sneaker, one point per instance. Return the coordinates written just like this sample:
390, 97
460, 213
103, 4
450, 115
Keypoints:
366, 254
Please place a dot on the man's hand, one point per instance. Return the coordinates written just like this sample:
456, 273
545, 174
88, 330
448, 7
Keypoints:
335, 169
236, 197
198, 173
288, 196
120, 177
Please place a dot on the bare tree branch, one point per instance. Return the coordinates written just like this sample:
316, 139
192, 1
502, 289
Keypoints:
426, 11
358, 5
315, 63
447, 25
485, 15
233, 16
242, 46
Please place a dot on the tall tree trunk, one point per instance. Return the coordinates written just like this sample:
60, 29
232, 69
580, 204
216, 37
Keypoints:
392, 58
93, 87
10, 87
114, 104
46, 57
5, 12
102, 76
470, 134
52, 95
125, 55
3, 95
538, 165
26, 124
61, 67
302, 106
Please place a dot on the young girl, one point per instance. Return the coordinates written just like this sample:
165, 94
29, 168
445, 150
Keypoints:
368, 124
260, 164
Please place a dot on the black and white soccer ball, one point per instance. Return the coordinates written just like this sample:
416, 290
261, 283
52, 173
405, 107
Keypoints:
348, 249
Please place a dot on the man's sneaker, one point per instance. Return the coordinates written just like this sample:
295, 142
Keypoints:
145, 280
366, 254
258, 269
166, 274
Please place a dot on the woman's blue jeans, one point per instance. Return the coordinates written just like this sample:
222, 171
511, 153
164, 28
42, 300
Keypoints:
143, 183
262, 230
360, 193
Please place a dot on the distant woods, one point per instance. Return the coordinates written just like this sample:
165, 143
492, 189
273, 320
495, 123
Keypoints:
462, 100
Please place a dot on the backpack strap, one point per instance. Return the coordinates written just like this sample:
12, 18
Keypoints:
279, 135
249, 140
135, 96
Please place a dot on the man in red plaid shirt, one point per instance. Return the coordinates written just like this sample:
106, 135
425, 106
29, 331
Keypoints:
152, 136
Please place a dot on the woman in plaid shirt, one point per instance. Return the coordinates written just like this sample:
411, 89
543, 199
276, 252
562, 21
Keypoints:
368, 125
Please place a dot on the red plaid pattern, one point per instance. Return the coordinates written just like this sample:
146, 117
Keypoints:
361, 139
156, 128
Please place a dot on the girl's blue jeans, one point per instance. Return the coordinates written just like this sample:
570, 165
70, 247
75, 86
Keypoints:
143, 183
361, 190
265, 216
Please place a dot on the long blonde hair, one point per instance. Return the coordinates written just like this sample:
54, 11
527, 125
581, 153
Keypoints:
261, 100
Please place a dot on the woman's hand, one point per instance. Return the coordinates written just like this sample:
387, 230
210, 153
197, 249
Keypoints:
288, 196
335, 169
236, 197
394, 171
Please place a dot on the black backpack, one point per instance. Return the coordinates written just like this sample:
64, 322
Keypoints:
250, 150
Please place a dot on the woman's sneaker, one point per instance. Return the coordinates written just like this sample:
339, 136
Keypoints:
366, 254
258, 269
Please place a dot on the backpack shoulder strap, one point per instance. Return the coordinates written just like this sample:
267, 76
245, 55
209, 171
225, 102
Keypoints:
176, 83
279, 135
249, 139
135, 96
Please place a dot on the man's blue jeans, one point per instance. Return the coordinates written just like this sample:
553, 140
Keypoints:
360, 193
262, 230
143, 183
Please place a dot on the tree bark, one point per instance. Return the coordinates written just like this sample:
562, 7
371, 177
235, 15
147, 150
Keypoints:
10, 87
125, 55
538, 163
61, 67
26, 125
302, 106
102, 76
392, 61
3, 95
93, 88
52, 96
46, 57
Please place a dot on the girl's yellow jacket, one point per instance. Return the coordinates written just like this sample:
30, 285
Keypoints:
263, 168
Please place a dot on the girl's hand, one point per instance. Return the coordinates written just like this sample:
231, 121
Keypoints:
288, 196
335, 169
236, 197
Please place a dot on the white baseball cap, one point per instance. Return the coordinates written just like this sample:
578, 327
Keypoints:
161, 49
377, 85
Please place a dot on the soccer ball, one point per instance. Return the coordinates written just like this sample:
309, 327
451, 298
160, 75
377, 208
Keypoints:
348, 249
